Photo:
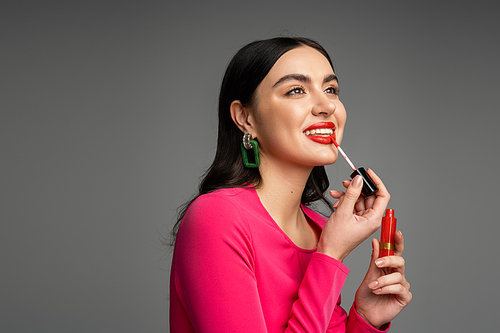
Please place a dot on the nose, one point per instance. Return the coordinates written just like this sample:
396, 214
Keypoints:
323, 106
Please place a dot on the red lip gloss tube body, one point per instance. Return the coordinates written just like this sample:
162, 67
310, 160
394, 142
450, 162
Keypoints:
387, 234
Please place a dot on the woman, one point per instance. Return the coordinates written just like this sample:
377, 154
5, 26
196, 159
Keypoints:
250, 256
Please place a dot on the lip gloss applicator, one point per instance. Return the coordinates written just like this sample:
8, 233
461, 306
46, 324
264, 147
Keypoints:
369, 186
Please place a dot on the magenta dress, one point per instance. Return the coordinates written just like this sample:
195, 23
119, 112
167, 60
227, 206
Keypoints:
235, 270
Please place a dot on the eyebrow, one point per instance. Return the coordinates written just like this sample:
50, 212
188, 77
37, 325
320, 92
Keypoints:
304, 78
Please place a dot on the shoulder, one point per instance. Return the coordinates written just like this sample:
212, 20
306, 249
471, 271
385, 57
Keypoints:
219, 202
215, 226
217, 212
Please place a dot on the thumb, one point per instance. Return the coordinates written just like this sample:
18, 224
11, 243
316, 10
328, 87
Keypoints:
373, 269
351, 196
375, 249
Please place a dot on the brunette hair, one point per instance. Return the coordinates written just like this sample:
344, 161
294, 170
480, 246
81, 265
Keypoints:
244, 73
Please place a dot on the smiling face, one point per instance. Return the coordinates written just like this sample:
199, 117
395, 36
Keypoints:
297, 110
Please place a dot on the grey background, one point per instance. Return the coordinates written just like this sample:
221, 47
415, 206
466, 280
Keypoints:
108, 118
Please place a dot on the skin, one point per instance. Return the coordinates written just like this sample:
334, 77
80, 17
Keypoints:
300, 90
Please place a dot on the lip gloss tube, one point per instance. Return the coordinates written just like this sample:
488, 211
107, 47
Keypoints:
369, 186
387, 233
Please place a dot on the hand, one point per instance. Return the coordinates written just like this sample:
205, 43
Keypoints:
384, 291
355, 218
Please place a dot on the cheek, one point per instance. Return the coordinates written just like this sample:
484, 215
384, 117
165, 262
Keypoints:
341, 120
280, 118
341, 116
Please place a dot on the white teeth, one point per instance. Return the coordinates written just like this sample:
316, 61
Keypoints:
326, 131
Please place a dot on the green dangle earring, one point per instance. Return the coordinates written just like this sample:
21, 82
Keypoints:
248, 144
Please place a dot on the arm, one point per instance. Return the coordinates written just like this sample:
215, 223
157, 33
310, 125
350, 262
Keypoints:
355, 219
384, 291
213, 271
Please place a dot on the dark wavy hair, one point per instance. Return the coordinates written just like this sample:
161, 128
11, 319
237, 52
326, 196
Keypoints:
244, 73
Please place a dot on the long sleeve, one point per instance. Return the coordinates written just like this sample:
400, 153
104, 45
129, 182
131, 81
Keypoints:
225, 278
212, 277
318, 295
357, 324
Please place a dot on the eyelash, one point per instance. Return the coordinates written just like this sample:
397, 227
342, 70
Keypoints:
293, 91
335, 92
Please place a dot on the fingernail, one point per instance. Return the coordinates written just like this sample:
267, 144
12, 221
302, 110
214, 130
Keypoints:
377, 290
373, 284
357, 182
379, 262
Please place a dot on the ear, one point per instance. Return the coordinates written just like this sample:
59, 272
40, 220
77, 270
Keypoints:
242, 117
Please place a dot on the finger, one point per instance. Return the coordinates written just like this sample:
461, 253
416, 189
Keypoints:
375, 257
387, 280
369, 201
336, 194
337, 203
382, 196
376, 249
350, 197
375, 253
395, 263
394, 283
405, 298
399, 245
360, 204
404, 294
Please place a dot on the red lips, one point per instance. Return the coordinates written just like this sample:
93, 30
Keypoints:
322, 139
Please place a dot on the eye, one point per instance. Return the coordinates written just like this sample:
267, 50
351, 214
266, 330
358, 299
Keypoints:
332, 90
296, 91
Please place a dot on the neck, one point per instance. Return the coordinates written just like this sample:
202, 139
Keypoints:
281, 192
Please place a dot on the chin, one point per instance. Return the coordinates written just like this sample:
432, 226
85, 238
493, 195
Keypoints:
327, 159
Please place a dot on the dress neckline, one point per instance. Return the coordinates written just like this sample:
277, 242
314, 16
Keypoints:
307, 212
